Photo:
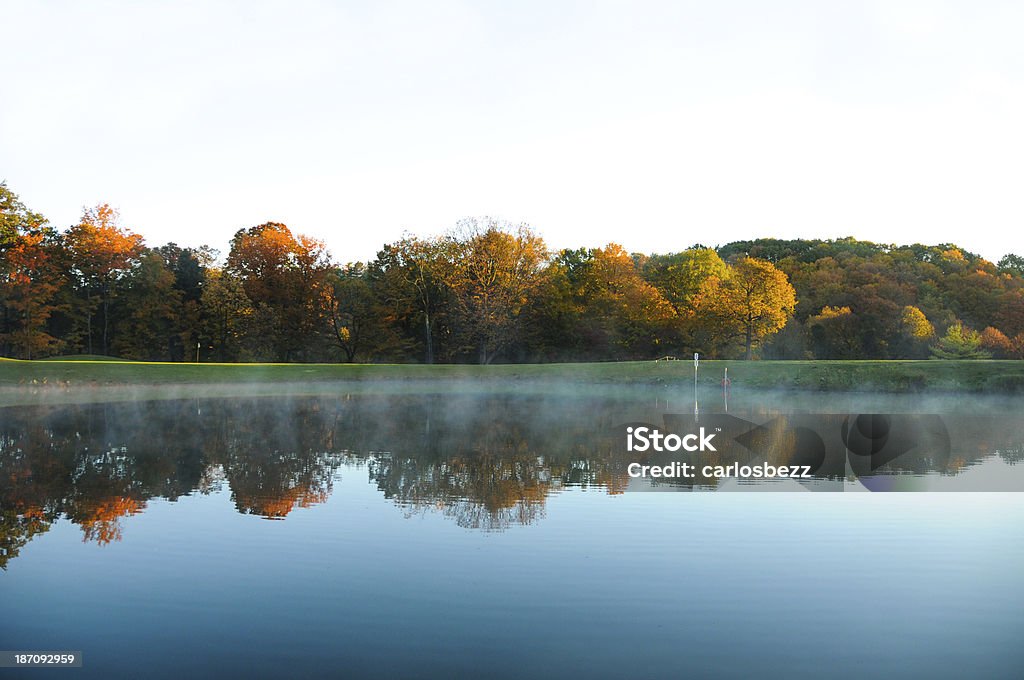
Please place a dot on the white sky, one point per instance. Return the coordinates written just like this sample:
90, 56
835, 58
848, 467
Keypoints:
655, 125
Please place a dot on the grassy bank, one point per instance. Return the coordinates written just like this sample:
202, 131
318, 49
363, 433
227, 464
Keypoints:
885, 376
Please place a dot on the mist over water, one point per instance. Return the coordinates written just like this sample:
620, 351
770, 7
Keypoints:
499, 530
485, 460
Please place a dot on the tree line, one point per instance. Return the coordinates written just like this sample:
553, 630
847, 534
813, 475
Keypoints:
490, 291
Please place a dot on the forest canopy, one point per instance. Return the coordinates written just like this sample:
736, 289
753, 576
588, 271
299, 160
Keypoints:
491, 291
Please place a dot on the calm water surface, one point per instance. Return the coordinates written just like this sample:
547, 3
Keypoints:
494, 536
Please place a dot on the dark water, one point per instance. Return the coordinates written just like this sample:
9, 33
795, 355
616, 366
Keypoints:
497, 536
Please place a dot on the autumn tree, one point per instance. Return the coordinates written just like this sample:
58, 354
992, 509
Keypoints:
916, 332
915, 324
625, 313
101, 254
995, 342
494, 270
285, 277
594, 304
30, 284
30, 278
753, 301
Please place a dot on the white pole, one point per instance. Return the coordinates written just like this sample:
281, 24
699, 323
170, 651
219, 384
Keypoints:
197, 352
725, 389
696, 408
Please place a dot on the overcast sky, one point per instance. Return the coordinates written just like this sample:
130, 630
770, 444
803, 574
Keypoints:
656, 125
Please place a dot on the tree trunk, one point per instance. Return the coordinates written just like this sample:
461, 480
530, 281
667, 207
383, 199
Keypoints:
106, 306
28, 334
430, 338
750, 340
88, 322
222, 350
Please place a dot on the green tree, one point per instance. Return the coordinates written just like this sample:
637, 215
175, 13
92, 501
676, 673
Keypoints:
1012, 264
554, 316
407, 277
226, 312
148, 311
834, 334
679, 276
15, 219
959, 342
189, 266
362, 325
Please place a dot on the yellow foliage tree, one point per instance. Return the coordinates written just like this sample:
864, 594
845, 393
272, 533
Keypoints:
915, 324
753, 301
494, 270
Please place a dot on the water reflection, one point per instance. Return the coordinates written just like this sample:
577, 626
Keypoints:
485, 462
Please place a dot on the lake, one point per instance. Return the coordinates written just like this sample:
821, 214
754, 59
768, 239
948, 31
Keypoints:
386, 535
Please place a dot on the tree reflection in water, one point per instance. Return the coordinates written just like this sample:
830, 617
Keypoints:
487, 462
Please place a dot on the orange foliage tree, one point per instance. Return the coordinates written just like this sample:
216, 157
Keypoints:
30, 279
101, 254
286, 279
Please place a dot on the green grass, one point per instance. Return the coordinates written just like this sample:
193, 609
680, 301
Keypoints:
887, 376
83, 357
